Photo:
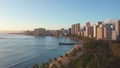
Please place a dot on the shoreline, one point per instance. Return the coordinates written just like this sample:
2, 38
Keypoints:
64, 60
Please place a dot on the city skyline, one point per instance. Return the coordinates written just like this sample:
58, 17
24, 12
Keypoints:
105, 30
52, 14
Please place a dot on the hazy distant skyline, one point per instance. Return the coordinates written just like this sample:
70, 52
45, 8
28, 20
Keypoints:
54, 14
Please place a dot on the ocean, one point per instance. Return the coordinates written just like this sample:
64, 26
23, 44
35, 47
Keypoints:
21, 51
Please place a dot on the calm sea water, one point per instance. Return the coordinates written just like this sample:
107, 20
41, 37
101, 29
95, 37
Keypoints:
19, 51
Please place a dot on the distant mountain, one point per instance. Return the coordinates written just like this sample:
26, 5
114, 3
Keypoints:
108, 21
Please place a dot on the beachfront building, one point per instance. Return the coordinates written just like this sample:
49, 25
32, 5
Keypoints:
114, 35
69, 31
107, 31
75, 29
95, 30
99, 23
39, 32
66, 32
117, 26
88, 30
100, 32
82, 32
28, 32
57, 33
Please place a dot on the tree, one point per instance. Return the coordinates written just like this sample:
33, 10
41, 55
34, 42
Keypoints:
35, 66
115, 49
54, 66
50, 60
55, 59
66, 55
61, 56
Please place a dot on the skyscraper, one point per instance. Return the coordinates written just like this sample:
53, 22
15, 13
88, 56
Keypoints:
100, 32
99, 23
95, 31
89, 30
57, 33
114, 35
69, 31
117, 26
88, 24
75, 29
107, 32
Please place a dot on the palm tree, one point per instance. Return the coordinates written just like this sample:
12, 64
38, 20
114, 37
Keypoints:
54, 66
36, 66
55, 59
61, 56
50, 60
66, 55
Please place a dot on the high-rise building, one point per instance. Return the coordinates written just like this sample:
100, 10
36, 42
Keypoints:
107, 32
57, 33
117, 26
66, 32
95, 26
85, 34
62, 31
100, 32
114, 35
75, 29
99, 23
95, 31
89, 30
82, 32
69, 31
86, 31
88, 24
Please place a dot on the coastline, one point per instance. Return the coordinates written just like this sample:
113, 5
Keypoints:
37, 53
65, 59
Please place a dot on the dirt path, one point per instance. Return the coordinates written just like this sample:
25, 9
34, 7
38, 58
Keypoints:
65, 59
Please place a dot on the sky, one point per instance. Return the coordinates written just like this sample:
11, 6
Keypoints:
17, 15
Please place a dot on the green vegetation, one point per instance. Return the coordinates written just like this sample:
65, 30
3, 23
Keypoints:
98, 54
35, 66
46, 64
95, 54
115, 48
61, 56
54, 66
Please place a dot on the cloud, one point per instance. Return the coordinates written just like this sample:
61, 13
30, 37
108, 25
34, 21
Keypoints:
108, 21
